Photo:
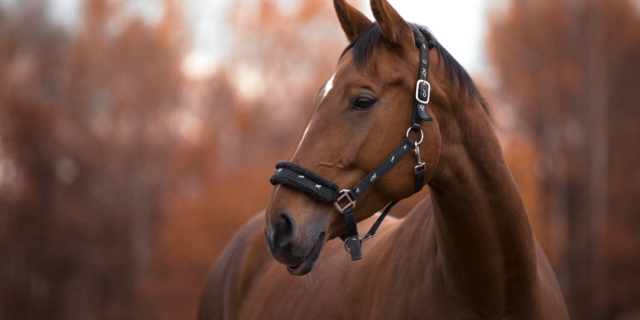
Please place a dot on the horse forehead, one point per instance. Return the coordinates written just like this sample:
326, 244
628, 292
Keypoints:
392, 64
329, 85
386, 64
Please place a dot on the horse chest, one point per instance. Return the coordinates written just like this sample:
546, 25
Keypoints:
390, 284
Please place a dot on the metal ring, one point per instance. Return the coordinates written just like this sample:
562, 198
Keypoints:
421, 136
346, 246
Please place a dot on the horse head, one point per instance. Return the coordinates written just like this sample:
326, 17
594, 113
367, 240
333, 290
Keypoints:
359, 117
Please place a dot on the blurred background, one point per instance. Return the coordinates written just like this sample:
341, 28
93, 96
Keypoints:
131, 133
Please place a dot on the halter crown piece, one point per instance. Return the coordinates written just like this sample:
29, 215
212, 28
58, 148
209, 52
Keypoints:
324, 190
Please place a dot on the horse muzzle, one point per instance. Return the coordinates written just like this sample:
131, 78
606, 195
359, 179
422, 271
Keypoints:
297, 250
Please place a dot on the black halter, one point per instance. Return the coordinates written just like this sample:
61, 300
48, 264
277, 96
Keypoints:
326, 191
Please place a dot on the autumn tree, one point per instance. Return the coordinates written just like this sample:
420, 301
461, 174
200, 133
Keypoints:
571, 71
84, 148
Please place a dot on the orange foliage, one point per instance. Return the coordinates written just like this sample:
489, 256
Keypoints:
114, 205
84, 147
570, 70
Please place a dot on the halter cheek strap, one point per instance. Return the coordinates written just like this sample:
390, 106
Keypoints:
326, 191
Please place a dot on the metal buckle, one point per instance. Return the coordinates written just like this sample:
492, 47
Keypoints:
421, 135
428, 93
344, 194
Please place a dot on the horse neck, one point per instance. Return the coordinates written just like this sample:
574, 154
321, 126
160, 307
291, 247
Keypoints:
484, 239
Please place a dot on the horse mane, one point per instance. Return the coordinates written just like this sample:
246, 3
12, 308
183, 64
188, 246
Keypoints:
458, 76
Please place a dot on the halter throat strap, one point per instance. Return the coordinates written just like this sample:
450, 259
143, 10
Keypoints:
324, 190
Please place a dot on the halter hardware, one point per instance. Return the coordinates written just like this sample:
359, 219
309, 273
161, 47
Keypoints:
421, 165
363, 239
344, 194
426, 95
421, 135
324, 190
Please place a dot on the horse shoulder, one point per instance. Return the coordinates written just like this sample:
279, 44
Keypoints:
543, 298
224, 288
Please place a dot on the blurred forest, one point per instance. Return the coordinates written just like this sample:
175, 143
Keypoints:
122, 179
571, 72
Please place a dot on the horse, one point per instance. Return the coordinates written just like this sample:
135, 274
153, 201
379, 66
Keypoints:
466, 251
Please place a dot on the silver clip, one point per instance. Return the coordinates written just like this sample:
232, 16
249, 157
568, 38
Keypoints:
421, 164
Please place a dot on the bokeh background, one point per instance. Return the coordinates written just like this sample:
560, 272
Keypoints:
137, 136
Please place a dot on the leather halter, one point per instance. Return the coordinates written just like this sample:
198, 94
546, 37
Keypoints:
324, 190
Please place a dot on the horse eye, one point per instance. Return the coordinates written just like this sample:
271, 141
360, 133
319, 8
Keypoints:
363, 103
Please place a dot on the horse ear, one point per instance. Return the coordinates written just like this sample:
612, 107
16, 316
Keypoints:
353, 22
394, 28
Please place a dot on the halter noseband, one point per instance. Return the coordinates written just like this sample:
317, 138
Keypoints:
324, 190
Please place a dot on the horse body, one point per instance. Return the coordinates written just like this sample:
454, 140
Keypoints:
465, 252
400, 279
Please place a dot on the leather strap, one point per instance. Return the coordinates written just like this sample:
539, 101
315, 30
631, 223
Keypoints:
351, 237
423, 88
306, 181
420, 174
382, 169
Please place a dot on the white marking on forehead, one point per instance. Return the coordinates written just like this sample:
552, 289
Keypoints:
302, 139
329, 85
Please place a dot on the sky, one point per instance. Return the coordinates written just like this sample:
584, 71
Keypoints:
460, 25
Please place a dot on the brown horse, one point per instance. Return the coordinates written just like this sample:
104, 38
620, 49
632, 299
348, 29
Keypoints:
466, 251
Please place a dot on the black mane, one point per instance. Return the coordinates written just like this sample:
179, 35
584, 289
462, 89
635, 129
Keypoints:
458, 76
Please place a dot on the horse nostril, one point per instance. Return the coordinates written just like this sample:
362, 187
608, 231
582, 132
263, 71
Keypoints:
285, 231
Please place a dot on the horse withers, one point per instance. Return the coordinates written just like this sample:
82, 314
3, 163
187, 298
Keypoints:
379, 130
